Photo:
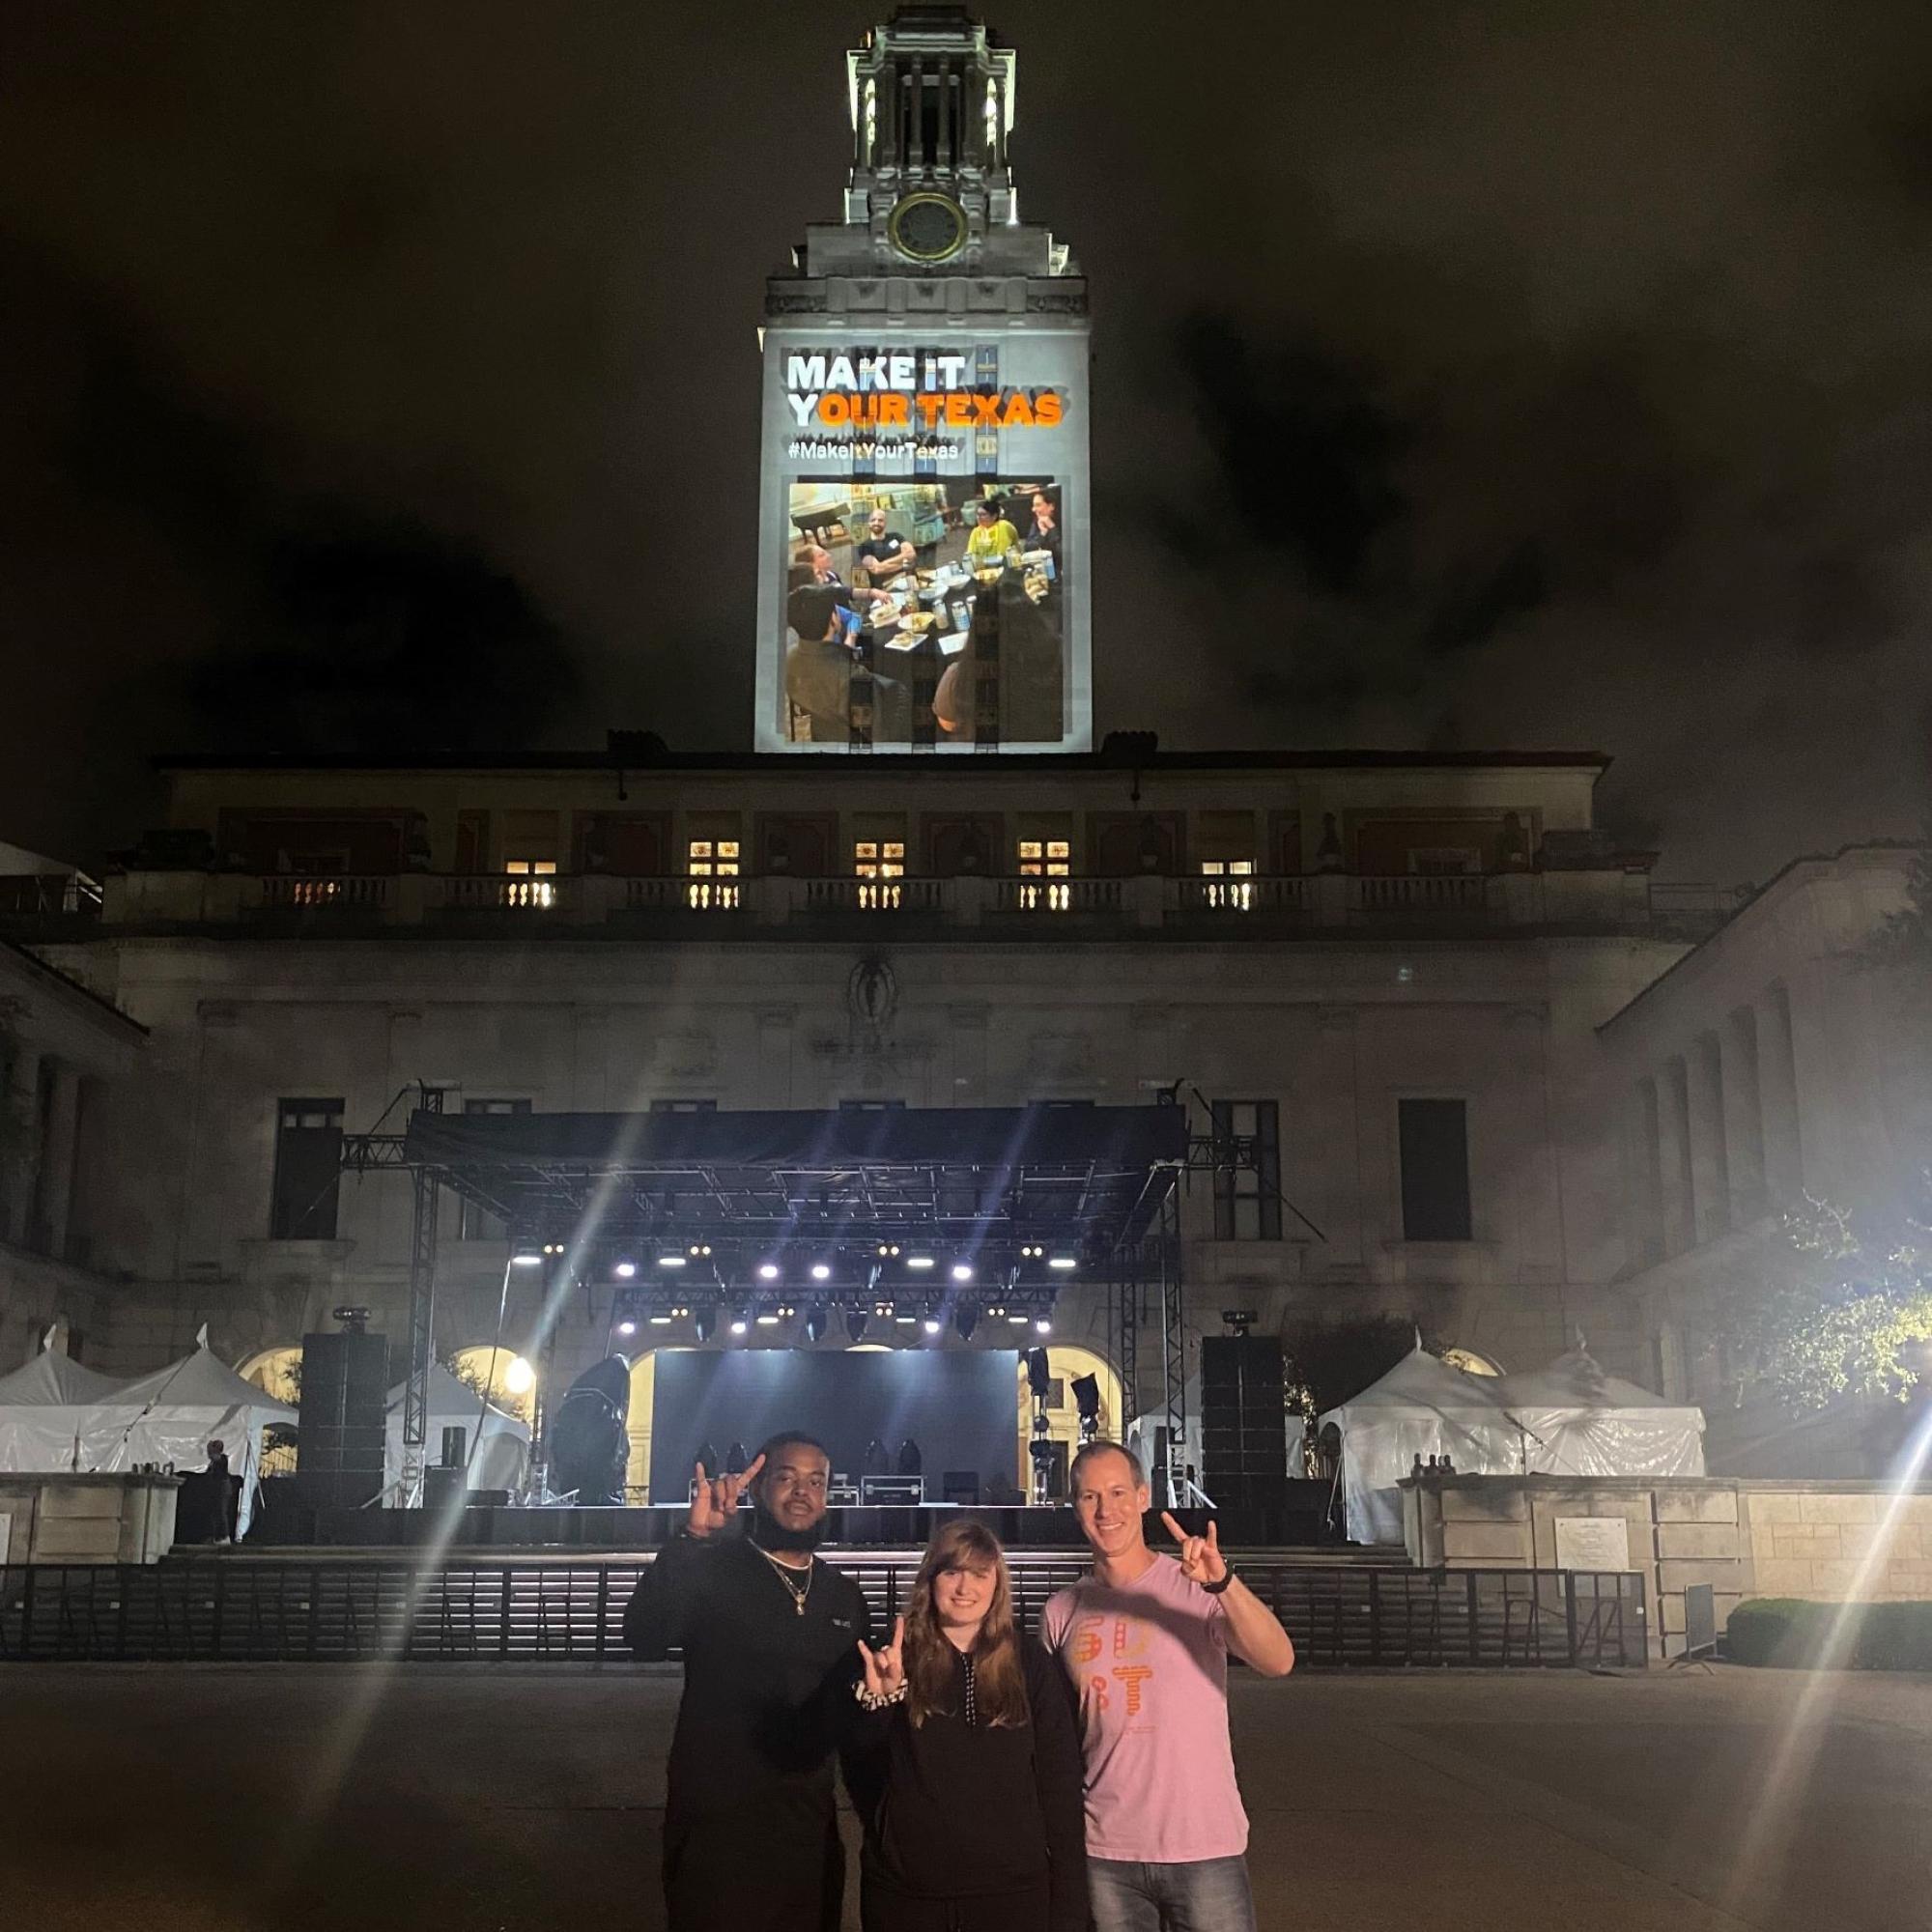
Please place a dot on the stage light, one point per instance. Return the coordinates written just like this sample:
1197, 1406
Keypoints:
525, 1256
1016, 1320
962, 1271
889, 1248
1063, 1263
739, 1326
705, 1323
855, 1323
906, 1320
698, 1248
931, 1324
519, 1378
627, 1327
659, 1321
918, 1261
817, 1319
1042, 1326
768, 1271
624, 1270
965, 1319
821, 1271
765, 1321
670, 1261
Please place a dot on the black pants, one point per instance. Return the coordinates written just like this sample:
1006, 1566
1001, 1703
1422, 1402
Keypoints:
734, 1874
884, 1910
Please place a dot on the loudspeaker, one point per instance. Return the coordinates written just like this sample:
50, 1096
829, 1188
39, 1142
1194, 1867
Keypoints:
344, 1386
1244, 1431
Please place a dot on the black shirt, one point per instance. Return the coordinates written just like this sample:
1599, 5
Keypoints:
888, 550
957, 1808
767, 1693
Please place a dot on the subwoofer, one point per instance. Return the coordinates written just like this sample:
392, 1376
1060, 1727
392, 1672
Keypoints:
344, 1385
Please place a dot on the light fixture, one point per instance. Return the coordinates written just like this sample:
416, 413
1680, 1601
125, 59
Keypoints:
670, 1261
704, 1321
624, 1270
768, 1319
525, 1256
905, 1319
519, 1378
817, 1319
739, 1324
963, 1270
965, 1319
699, 1248
855, 1323
659, 1320
1063, 1263
1042, 1326
918, 1261
768, 1271
1016, 1320
821, 1271
627, 1327
931, 1324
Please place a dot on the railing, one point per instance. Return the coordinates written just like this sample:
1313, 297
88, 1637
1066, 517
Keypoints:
1048, 896
1486, 903
306, 893
347, 1609
48, 896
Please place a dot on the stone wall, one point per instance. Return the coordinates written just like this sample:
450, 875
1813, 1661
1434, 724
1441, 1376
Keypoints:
1836, 1542
1830, 1541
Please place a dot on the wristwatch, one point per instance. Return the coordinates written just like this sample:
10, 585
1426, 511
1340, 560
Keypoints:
1216, 1589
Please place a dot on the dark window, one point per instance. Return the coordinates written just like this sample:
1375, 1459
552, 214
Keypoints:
684, 1106
474, 1223
872, 1106
1435, 1170
1247, 1175
308, 1161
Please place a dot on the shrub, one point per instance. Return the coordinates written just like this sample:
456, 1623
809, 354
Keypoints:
1793, 1635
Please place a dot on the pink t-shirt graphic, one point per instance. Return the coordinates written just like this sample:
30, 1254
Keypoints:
1149, 1662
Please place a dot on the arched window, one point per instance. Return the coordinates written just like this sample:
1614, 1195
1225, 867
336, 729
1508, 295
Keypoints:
1471, 1363
509, 1381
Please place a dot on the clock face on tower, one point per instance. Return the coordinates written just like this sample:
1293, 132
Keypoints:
927, 226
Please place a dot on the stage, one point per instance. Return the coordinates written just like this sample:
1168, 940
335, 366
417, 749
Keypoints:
282, 1522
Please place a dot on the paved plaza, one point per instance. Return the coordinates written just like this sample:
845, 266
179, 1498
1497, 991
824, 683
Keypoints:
237, 1799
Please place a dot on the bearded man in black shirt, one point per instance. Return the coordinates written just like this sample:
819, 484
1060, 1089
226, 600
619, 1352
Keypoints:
769, 1635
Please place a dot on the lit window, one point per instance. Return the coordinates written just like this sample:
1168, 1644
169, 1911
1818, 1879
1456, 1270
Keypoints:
529, 885
1047, 859
878, 864
1228, 883
713, 867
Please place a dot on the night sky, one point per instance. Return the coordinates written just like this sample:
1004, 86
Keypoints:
1465, 376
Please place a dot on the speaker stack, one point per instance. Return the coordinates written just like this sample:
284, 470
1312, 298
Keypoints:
344, 1384
1243, 1434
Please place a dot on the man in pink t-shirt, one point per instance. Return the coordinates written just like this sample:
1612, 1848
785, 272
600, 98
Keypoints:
1144, 1641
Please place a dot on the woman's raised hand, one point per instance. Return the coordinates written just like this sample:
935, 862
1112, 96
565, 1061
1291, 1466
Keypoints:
714, 1503
885, 1667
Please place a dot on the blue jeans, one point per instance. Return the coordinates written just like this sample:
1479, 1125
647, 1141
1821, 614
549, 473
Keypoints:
1204, 1896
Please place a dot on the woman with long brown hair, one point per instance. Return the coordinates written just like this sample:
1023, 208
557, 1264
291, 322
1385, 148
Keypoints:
966, 1770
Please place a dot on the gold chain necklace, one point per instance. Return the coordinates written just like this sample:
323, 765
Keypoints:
783, 1573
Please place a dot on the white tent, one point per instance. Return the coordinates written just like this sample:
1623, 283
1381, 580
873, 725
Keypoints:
496, 1444
172, 1415
1421, 1407
1579, 1421
50, 1414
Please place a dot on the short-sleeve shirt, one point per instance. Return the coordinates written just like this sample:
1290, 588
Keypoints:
885, 550
1149, 1660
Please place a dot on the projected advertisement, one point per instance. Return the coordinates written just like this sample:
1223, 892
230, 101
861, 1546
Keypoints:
924, 547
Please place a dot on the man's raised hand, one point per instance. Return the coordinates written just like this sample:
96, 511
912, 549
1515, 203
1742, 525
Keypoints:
714, 1500
884, 1667
1201, 1558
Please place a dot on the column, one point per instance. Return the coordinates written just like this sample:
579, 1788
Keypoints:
1777, 1091
1743, 1117
17, 1178
1710, 1172
1674, 1170
53, 1192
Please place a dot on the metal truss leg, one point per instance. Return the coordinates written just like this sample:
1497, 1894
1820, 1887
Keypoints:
422, 1319
1173, 1349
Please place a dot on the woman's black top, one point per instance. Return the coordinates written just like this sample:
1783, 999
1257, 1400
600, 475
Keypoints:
957, 1807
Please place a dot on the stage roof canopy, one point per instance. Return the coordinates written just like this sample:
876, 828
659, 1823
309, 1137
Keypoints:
1077, 1178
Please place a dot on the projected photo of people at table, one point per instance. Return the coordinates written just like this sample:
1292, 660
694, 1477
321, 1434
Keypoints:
950, 596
